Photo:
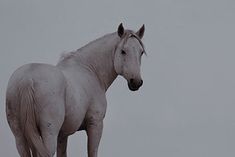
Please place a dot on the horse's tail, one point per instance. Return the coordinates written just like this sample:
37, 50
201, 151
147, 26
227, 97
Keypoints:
28, 118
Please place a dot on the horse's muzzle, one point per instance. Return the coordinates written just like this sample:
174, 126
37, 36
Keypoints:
134, 85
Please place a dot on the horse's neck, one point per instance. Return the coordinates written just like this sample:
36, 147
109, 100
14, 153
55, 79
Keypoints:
98, 57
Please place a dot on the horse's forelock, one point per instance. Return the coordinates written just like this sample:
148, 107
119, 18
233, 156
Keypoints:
129, 34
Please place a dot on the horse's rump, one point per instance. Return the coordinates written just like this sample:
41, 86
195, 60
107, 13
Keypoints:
32, 88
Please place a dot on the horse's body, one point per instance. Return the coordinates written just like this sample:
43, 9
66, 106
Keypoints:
45, 103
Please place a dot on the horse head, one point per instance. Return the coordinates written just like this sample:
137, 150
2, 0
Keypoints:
128, 54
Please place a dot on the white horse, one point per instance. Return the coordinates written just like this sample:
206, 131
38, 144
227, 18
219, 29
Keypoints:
45, 103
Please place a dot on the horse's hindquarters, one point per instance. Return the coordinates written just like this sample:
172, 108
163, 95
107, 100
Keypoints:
35, 104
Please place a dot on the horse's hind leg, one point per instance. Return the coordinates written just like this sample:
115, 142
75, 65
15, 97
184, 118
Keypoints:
13, 121
62, 145
49, 138
50, 141
21, 142
50, 124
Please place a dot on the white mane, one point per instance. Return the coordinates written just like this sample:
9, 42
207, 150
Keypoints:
65, 55
128, 33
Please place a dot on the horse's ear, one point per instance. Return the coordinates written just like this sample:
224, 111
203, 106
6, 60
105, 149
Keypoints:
120, 30
140, 32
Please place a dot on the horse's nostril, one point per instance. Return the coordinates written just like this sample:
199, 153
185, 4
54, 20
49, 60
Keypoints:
131, 80
135, 84
141, 82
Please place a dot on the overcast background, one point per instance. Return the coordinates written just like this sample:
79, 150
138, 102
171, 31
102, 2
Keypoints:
186, 106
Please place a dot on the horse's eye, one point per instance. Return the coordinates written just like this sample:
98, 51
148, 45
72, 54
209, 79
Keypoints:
123, 52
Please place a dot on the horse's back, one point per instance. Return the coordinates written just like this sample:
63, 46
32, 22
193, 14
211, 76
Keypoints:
36, 71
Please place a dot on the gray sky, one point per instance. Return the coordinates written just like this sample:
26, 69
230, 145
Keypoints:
186, 106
